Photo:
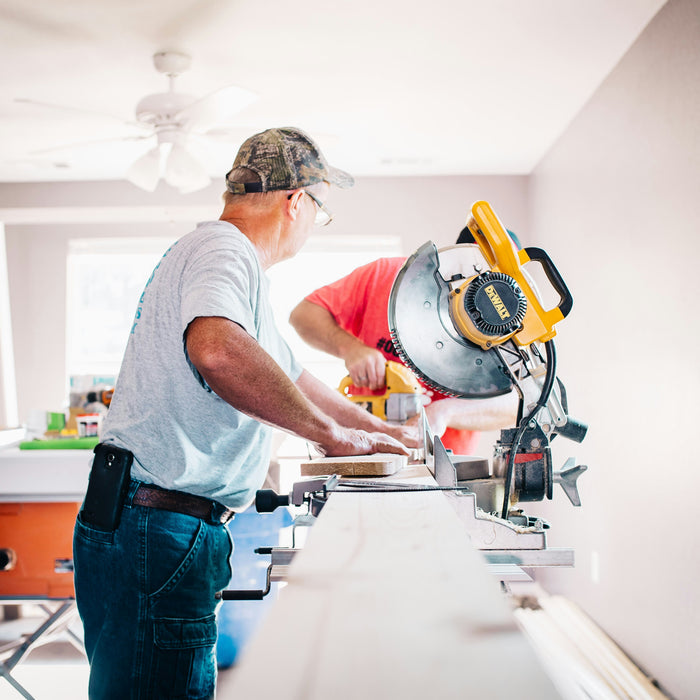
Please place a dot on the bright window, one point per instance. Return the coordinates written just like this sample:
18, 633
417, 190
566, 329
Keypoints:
322, 260
106, 277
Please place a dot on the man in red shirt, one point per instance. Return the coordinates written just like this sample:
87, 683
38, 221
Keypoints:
348, 319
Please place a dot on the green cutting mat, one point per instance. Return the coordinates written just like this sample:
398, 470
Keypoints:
83, 443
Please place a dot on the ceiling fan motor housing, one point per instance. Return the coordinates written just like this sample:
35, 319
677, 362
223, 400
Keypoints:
162, 107
172, 62
488, 308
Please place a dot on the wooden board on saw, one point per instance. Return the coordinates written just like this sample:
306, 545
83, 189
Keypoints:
380, 464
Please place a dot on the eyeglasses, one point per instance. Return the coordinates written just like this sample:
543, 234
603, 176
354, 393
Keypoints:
324, 216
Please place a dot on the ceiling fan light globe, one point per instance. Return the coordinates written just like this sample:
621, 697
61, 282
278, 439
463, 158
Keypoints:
184, 172
144, 172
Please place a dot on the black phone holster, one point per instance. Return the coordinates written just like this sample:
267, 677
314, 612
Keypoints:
107, 487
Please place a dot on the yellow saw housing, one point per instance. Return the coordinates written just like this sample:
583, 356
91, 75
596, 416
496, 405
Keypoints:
398, 400
495, 305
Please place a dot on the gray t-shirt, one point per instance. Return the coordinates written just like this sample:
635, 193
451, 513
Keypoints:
183, 436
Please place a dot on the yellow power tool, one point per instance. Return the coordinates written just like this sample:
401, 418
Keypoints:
492, 306
399, 399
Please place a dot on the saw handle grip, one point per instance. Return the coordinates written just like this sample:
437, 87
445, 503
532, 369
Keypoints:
267, 500
566, 301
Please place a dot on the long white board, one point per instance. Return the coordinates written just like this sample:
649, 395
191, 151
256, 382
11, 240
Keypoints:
388, 599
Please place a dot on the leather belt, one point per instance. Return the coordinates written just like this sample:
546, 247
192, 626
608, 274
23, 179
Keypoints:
180, 502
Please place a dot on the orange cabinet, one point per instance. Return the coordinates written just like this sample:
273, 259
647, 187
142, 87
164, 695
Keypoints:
36, 549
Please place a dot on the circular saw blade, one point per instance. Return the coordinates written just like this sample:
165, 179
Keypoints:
425, 337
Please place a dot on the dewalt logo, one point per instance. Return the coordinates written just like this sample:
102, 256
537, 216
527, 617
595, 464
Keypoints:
496, 301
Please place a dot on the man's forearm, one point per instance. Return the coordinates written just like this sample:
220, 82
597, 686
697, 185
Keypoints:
245, 376
240, 372
475, 414
333, 403
318, 328
348, 414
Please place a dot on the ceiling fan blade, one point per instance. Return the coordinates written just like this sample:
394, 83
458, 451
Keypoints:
79, 110
145, 171
228, 134
185, 172
216, 107
82, 144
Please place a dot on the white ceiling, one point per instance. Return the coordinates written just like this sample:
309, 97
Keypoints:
388, 87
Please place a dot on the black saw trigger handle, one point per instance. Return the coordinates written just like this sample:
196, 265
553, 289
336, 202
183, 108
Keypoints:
566, 301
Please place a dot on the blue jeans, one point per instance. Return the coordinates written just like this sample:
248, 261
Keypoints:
146, 595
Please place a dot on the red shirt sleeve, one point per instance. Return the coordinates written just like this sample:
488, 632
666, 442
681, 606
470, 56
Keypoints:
358, 302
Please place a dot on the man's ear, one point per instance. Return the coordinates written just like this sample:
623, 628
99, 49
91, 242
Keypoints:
294, 203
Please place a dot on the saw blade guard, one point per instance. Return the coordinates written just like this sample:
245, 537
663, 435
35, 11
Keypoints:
424, 334
502, 257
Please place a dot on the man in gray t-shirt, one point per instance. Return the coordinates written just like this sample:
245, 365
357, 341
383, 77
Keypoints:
204, 379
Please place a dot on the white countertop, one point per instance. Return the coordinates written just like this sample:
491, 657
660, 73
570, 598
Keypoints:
43, 475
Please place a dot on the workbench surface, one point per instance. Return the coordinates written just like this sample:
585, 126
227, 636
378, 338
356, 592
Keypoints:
388, 599
43, 475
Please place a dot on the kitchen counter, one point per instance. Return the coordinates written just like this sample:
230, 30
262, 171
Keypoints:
43, 475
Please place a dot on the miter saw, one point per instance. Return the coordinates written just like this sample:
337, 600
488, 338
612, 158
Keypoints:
469, 322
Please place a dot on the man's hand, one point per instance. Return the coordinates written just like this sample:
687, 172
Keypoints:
358, 442
243, 374
319, 329
358, 422
366, 366
409, 433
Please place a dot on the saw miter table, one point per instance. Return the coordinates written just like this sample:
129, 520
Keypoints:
388, 599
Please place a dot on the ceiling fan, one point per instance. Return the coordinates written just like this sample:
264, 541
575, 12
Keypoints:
173, 119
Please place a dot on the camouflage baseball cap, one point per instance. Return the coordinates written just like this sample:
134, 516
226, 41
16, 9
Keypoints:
283, 159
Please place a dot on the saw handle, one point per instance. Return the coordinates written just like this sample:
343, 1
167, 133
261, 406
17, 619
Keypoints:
349, 389
566, 301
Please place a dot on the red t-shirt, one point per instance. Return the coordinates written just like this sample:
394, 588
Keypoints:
359, 303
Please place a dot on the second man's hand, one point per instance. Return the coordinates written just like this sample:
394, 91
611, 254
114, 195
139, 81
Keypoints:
366, 366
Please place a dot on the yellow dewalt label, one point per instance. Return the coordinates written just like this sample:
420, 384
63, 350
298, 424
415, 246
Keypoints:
496, 301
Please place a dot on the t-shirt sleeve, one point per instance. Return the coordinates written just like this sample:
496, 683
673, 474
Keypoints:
220, 281
224, 279
348, 299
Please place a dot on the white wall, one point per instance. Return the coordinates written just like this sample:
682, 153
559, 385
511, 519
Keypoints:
417, 209
616, 203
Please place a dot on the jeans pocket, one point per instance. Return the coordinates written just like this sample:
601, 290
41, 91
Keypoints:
185, 664
173, 544
94, 534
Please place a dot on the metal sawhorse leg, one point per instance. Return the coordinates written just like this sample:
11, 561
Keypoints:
56, 623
